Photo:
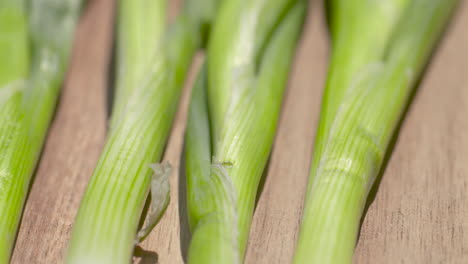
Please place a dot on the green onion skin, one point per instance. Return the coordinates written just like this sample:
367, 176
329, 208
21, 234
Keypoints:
140, 27
379, 51
152, 64
14, 70
35, 44
232, 122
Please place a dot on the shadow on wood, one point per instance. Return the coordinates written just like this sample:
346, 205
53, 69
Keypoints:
142, 256
185, 235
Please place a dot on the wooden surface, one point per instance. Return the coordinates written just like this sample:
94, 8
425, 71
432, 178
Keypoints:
420, 212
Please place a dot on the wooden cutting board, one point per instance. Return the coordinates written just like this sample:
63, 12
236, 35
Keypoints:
420, 211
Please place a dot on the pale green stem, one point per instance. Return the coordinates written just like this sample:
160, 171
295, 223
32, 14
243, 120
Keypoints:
232, 122
105, 229
359, 118
29, 93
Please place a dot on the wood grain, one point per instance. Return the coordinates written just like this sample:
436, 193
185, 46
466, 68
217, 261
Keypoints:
420, 211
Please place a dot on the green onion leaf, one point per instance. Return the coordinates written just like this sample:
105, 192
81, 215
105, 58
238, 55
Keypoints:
232, 122
152, 63
35, 42
379, 51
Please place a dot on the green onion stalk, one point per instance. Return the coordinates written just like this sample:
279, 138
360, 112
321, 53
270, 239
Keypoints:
151, 65
379, 50
232, 121
35, 42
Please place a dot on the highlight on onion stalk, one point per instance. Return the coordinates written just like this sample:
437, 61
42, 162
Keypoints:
379, 50
152, 63
35, 42
232, 121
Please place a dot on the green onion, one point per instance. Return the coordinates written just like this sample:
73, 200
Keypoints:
379, 50
152, 64
232, 122
35, 41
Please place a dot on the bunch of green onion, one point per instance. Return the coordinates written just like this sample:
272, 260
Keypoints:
35, 41
379, 50
232, 121
152, 63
